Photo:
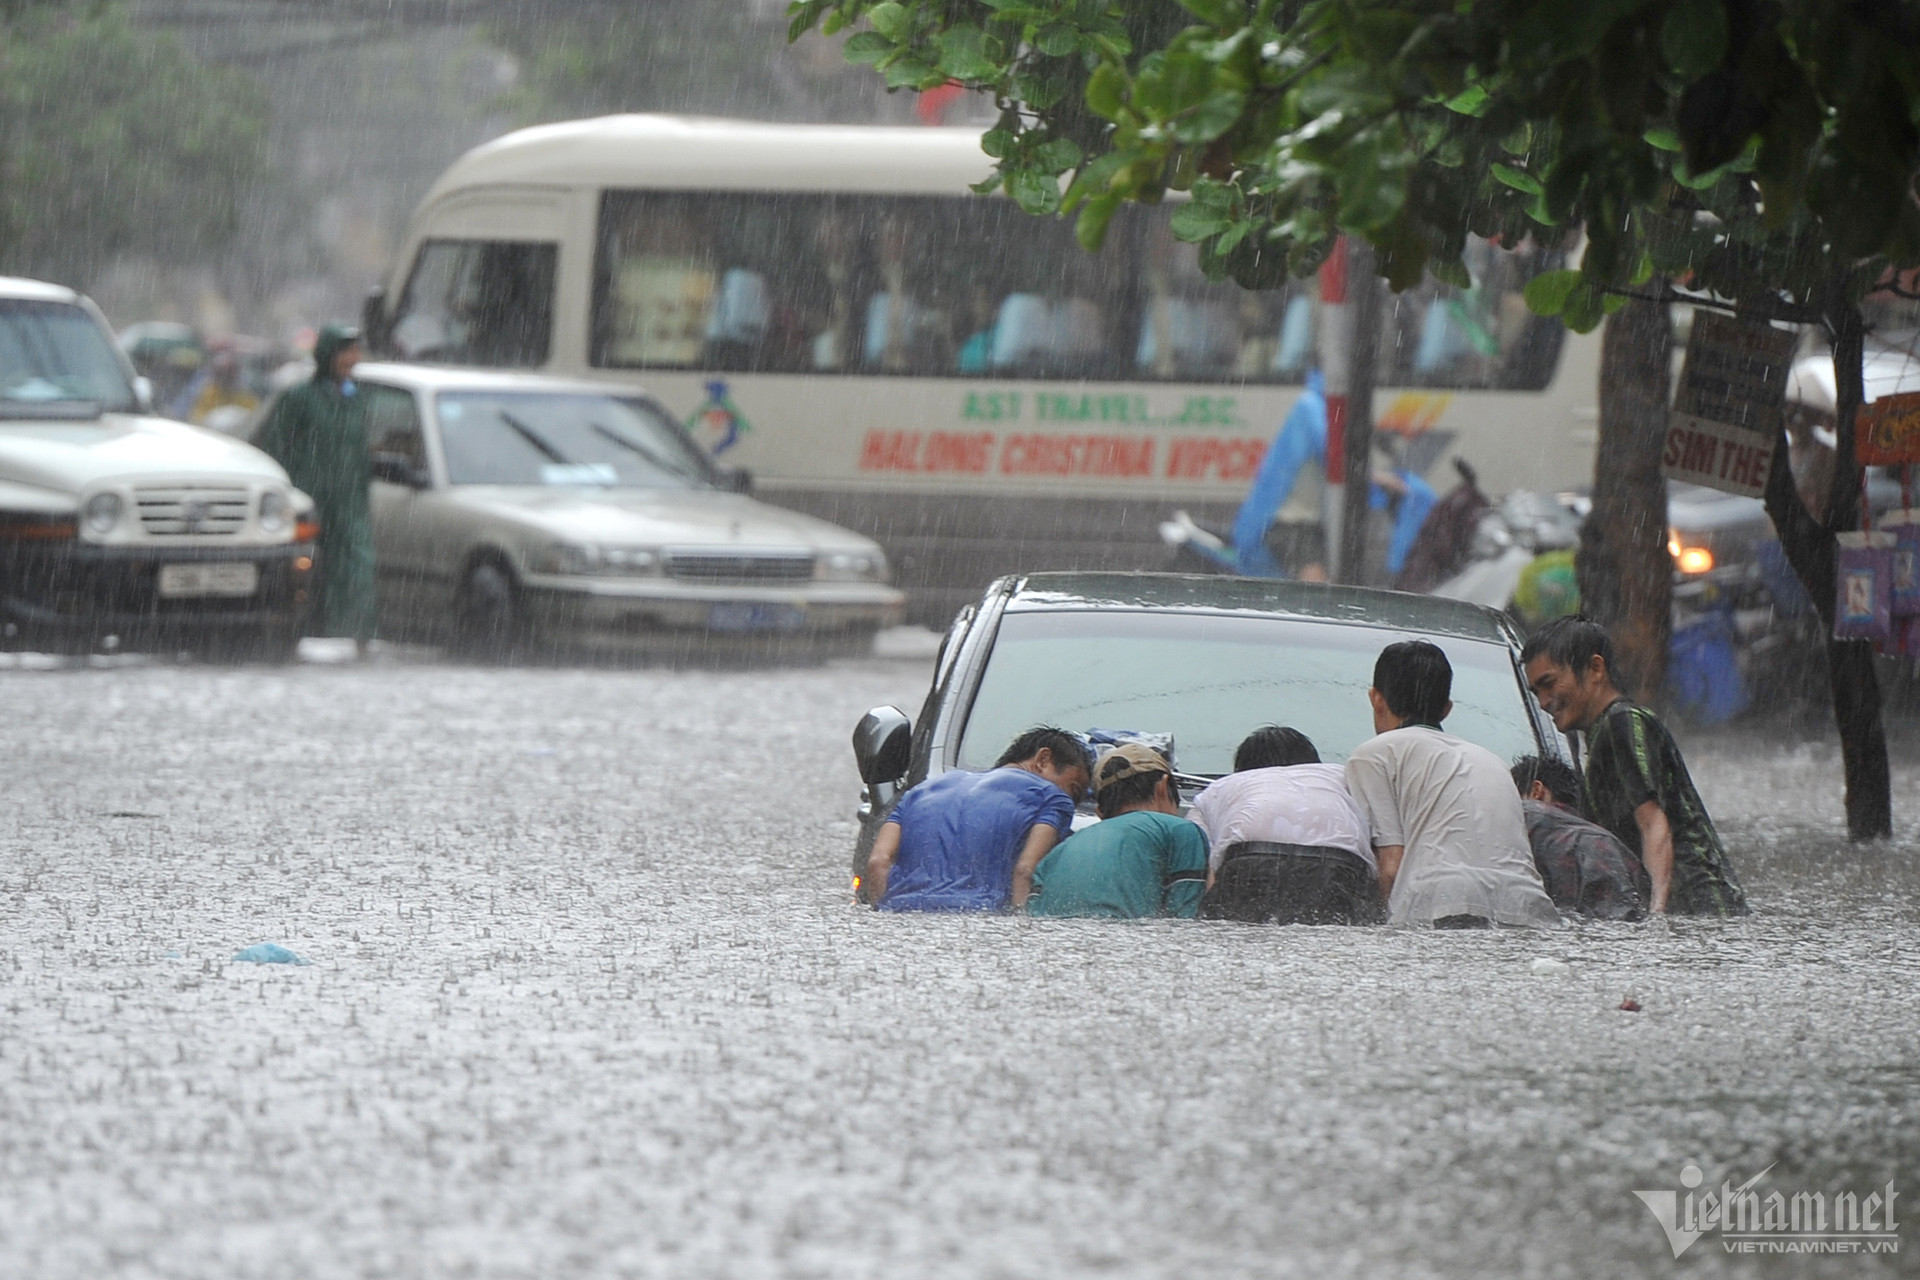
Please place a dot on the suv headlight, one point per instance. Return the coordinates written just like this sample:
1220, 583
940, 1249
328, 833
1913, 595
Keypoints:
575, 560
102, 512
850, 566
274, 511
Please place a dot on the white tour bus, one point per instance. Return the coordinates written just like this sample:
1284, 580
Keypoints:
830, 309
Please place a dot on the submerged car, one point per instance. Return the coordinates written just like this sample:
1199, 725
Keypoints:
120, 529
514, 512
1201, 659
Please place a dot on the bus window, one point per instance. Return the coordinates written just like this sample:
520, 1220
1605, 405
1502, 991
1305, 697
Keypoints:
479, 302
971, 287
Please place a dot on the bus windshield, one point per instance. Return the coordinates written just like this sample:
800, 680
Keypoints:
530, 438
972, 287
1211, 679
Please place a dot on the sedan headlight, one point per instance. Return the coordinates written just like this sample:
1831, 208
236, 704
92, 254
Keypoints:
103, 512
575, 560
275, 511
851, 566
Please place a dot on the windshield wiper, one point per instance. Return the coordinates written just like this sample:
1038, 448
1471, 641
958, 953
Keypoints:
534, 438
635, 446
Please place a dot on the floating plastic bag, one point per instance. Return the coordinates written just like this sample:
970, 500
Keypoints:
1703, 671
1863, 587
267, 953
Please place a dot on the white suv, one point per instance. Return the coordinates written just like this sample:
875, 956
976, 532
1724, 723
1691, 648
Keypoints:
122, 529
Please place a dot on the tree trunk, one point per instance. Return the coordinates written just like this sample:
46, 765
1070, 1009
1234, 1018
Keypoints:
1624, 568
1811, 550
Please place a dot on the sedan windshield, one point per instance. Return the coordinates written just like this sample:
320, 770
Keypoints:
565, 438
1210, 679
53, 353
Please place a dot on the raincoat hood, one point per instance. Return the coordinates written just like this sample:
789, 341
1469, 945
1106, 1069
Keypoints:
333, 339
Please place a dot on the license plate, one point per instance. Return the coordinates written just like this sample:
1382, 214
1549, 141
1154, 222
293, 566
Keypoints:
755, 617
181, 581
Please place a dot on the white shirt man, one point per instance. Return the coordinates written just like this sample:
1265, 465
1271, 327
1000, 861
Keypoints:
1301, 804
1448, 832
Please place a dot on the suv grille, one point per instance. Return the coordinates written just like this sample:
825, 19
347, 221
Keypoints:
191, 511
703, 566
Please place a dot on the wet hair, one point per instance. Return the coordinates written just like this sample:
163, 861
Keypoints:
1570, 642
1128, 792
1067, 750
1557, 776
1272, 747
1416, 679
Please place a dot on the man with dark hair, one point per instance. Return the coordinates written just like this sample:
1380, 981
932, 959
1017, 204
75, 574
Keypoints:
1585, 867
1286, 842
1637, 785
1448, 835
1141, 859
970, 841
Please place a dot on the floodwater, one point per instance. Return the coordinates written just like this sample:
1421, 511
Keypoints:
586, 997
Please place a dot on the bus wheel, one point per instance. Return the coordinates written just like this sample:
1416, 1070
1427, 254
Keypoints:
489, 625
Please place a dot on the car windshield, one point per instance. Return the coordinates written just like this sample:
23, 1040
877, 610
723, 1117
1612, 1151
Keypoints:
53, 353
565, 438
1211, 679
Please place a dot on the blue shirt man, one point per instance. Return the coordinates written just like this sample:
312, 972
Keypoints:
1299, 447
970, 841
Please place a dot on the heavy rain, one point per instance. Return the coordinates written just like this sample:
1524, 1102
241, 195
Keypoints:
466, 467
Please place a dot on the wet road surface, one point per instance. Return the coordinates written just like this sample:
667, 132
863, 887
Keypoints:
586, 998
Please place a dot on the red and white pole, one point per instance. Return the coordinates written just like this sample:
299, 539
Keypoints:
1336, 366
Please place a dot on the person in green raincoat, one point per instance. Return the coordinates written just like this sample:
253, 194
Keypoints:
318, 432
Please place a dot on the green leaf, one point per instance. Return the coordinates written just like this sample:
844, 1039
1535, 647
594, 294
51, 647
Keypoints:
911, 73
1584, 309
1518, 180
1470, 101
1033, 191
1662, 138
1057, 40
1220, 13
1090, 229
1214, 115
891, 20
1694, 36
1547, 293
1058, 155
1106, 91
965, 54
997, 142
1194, 221
867, 47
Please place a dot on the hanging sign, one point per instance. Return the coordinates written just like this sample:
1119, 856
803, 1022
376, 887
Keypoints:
1887, 432
1726, 418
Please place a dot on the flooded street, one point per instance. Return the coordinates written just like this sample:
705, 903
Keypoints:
586, 997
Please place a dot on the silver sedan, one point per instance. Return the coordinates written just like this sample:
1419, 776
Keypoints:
514, 512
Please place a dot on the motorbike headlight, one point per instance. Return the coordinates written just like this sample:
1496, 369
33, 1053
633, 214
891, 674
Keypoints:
103, 512
851, 566
566, 558
275, 511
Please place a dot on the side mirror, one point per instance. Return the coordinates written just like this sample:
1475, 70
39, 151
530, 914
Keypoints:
882, 744
143, 392
736, 479
397, 468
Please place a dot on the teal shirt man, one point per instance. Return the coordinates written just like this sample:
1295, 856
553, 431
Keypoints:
1142, 859
1138, 864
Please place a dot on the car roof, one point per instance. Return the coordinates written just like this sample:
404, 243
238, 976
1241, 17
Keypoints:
435, 378
1220, 593
17, 288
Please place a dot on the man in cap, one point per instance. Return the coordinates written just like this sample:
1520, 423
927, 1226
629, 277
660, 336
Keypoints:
1141, 859
318, 432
